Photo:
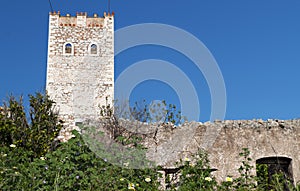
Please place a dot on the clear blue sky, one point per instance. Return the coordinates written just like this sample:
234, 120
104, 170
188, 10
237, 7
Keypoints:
255, 43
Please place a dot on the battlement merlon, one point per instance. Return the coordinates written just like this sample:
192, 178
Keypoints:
81, 20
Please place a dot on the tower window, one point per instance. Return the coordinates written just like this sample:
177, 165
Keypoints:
68, 49
94, 49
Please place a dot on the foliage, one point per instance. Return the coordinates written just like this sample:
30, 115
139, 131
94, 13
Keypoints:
195, 174
246, 180
13, 161
35, 135
156, 112
127, 127
276, 182
30, 159
125, 135
262, 176
71, 167
123, 151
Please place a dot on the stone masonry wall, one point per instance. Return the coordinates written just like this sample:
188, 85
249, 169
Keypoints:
224, 140
80, 82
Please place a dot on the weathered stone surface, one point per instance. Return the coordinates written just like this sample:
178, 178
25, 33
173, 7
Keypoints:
80, 82
224, 140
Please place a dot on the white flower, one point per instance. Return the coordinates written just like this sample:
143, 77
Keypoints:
126, 164
148, 179
12, 145
208, 179
122, 179
4, 155
60, 137
42, 158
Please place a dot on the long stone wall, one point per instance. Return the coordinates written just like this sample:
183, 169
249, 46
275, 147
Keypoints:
224, 140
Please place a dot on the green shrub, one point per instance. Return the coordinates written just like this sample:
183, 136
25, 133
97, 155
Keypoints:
195, 174
35, 135
72, 166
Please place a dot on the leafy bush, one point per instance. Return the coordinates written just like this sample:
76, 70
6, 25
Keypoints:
13, 162
72, 166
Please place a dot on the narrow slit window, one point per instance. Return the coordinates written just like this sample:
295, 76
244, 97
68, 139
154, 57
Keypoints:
94, 49
68, 48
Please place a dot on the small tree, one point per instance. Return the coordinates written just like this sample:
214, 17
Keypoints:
36, 134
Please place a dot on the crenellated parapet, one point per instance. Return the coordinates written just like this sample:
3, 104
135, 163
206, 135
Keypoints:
80, 20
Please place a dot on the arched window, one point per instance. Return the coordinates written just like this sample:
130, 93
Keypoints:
94, 49
68, 49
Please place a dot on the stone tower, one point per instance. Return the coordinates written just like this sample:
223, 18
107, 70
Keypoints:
80, 66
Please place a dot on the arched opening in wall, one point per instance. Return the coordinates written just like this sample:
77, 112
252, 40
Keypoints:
274, 172
94, 49
68, 48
